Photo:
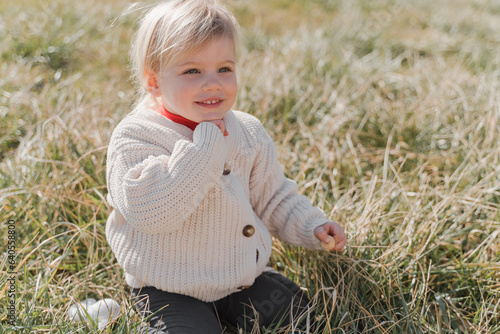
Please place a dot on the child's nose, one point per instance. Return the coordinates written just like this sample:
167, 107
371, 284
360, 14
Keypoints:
211, 83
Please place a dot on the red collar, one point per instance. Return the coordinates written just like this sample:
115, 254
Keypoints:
178, 119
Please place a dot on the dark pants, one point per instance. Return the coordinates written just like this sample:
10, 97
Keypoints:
268, 301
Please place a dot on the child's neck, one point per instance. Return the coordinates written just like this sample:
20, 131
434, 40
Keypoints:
178, 118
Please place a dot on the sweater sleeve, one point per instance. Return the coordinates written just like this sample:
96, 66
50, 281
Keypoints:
156, 191
275, 199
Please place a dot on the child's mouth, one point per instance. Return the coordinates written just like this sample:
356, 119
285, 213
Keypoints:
210, 103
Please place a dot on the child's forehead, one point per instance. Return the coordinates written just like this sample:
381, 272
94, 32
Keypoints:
224, 47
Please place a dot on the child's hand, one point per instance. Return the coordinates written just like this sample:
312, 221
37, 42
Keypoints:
331, 229
221, 125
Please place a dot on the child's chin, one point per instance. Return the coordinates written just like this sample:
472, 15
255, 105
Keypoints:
213, 116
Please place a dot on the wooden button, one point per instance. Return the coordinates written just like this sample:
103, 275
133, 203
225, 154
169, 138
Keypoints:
227, 169
248, 231
244, 287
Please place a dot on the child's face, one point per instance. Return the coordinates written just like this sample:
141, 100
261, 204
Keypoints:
202, 86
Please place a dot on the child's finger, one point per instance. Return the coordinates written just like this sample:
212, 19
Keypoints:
322, 234
221, 125
339, 247
339, 233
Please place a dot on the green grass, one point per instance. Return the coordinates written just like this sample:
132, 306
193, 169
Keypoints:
386, 113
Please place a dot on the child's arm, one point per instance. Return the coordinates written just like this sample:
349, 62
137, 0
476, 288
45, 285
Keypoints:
275, 199
156, 191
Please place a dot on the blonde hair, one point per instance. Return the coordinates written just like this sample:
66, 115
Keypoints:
175, 28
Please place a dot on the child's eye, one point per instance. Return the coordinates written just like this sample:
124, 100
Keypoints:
225, 69
192, 71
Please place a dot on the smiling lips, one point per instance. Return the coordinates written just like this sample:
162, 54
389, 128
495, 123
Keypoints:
210, 103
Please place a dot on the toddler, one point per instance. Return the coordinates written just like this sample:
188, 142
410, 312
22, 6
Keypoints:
196, 187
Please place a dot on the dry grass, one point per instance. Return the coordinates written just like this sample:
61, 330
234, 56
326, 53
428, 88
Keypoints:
385, 113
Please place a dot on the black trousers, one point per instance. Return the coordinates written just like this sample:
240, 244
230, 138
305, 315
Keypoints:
273, 301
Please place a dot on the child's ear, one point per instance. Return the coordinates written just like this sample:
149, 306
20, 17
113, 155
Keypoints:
152, 83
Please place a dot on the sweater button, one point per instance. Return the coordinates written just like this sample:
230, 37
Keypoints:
244, 287
248, 231
227, 169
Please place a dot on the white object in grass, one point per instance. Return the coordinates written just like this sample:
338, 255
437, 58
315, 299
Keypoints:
101, 312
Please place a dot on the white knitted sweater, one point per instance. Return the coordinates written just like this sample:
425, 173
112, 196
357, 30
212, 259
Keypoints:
182, 226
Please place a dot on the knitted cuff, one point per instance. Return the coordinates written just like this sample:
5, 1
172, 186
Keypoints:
209, 137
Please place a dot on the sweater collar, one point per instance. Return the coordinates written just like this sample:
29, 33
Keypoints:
178, 119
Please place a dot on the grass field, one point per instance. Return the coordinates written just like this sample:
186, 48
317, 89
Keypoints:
386, 113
